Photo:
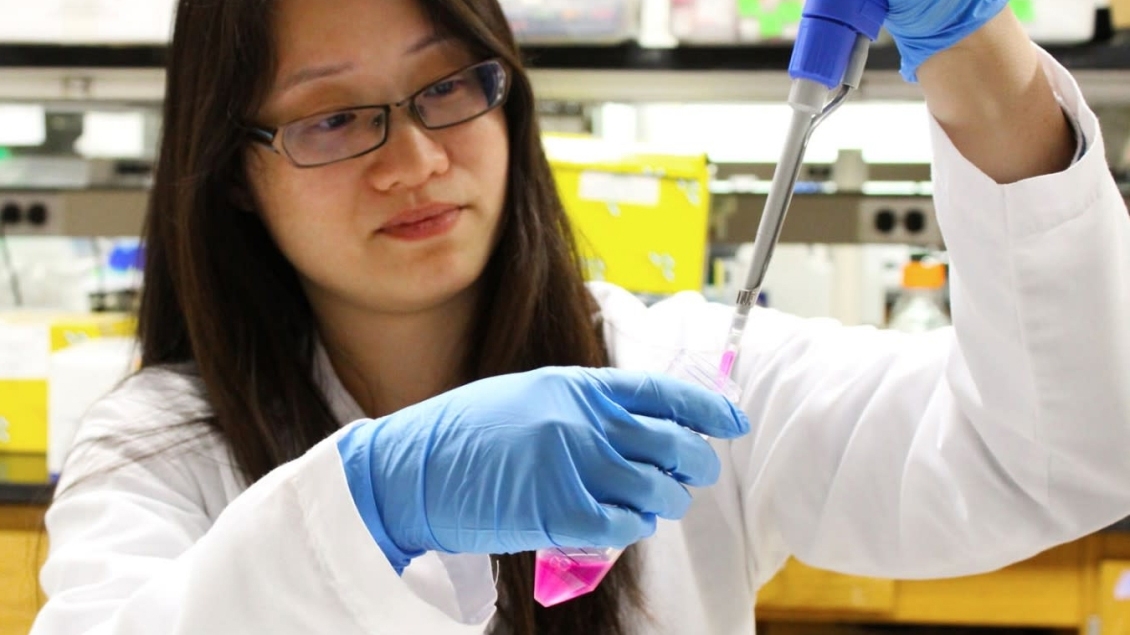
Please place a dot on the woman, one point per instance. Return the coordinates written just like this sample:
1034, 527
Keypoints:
370, 361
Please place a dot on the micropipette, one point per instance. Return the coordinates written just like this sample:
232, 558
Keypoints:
827, 65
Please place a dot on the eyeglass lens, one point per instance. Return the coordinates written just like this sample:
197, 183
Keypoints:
344, 134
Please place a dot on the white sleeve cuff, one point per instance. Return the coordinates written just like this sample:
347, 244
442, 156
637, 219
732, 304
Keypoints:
1070, 99
1077, 130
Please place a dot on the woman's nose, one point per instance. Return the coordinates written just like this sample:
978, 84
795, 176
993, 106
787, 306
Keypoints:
409, 157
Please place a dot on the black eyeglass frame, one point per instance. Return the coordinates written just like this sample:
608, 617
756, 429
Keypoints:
274, 141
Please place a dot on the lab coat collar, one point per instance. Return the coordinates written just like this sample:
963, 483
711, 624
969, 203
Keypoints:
344, 408
461, 585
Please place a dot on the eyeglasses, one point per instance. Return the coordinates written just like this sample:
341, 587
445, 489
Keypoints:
330, 137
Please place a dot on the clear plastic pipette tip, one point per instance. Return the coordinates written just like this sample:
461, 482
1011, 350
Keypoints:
733, 340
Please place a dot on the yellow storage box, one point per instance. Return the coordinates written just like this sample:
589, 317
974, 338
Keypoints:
27, 340
641, 218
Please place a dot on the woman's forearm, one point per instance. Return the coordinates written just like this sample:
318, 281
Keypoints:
994, 101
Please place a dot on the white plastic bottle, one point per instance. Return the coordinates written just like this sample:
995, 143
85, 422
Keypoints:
1058, 21
920, 306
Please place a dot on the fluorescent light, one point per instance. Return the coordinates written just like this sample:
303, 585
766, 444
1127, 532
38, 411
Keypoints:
22, 125
112, 135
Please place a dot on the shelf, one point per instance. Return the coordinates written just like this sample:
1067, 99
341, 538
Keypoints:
93, 56
1112, 55
813, 218
25, 493
592, 74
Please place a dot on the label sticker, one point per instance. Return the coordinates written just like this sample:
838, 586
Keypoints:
1122, 589
624, 189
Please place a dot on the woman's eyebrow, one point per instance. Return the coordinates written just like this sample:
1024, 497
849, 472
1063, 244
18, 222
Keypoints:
427, 42
312, 73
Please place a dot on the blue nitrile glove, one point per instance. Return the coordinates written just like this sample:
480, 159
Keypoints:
922, 28
552, 457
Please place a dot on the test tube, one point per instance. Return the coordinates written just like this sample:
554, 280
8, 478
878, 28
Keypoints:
564, 573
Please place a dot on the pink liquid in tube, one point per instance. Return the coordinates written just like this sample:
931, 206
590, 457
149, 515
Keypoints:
561, 574
727, 365
726, 368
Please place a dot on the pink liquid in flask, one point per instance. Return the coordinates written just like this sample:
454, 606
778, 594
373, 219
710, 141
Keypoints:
563, 574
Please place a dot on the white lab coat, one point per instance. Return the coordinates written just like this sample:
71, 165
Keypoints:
873, 452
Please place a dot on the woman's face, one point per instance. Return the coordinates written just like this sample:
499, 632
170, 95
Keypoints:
403, 228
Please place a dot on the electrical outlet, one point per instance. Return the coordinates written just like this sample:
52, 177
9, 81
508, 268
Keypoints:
11, 214
31, 213
900, 220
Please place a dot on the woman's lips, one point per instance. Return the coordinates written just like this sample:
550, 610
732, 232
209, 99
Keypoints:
422, 223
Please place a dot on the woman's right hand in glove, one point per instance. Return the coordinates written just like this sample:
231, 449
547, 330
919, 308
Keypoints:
553, 457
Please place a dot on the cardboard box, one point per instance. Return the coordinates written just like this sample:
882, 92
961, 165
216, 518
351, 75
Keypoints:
27, 340
1120, 13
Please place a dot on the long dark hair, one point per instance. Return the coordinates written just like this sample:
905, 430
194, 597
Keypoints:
219, 292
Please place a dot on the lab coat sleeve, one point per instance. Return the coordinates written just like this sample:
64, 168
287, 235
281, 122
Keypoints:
969, 448
133, 551
950, 453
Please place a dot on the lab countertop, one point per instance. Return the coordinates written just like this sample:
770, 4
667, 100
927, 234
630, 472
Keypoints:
24, 480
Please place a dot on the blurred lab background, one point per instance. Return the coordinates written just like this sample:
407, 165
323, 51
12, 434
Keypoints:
663, 120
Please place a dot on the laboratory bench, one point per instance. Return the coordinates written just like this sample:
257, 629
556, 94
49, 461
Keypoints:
25, 491
22, 547
1080, 588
